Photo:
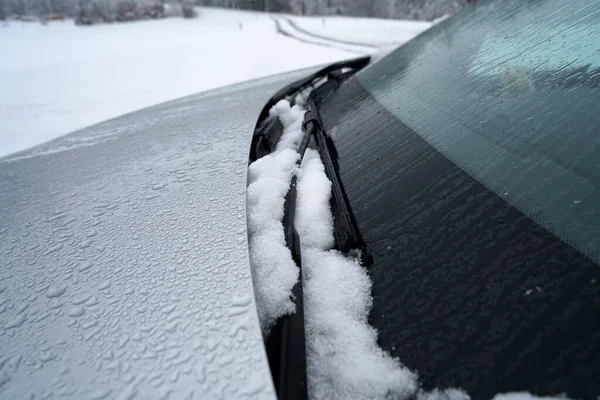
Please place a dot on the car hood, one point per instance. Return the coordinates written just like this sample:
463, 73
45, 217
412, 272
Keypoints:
124, 256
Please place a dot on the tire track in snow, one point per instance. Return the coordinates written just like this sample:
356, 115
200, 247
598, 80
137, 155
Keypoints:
293, 33
369, 47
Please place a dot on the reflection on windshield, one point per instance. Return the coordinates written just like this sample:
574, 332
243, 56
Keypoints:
509, 93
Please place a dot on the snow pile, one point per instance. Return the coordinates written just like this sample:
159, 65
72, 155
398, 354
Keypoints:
344, 361
291, 118
302, 97
314, 222
274, 272
343, 358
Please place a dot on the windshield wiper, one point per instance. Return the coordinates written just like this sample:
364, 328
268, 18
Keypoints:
286, 345
344, 229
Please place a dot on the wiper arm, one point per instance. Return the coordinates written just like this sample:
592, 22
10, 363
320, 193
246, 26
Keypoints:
355, 64
268, 129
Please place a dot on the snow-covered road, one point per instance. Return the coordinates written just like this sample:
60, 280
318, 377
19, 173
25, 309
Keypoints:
59, 78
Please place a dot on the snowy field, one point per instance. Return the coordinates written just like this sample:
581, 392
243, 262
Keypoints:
59, 78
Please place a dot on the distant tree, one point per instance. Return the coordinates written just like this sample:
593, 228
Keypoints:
188, 10
126, 11
18, 8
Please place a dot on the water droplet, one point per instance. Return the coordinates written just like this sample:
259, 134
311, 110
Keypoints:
85, 266
92, 233
76, 311
45, 357
100, 394
15, 323
56, 291
54, 249
168, 309
104, 285
92, 301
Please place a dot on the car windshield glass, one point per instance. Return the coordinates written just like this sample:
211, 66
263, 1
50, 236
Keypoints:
508, 90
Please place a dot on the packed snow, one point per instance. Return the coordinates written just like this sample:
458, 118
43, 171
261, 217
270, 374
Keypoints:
291, 118
274, 271
343, 359
60, 77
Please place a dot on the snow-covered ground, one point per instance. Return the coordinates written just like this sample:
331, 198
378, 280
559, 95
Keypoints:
58, 78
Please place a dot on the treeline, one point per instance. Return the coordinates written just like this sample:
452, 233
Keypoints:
93, 11
88, 12
401, 9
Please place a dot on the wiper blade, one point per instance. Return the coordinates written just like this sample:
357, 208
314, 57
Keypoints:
344, 230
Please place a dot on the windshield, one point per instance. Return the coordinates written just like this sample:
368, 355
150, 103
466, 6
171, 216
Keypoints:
514, 103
